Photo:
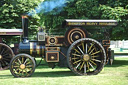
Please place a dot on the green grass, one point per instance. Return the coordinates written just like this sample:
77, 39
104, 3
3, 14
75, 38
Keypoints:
117, 74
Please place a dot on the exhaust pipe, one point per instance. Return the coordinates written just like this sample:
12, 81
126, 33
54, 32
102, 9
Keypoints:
25, 28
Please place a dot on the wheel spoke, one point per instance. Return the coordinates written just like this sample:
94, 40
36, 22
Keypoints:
96, 60
91, 50
25, 61
6, 59
19, 61
80, 50
77, 51
83, 45
78, 65
19, 71
84, 68
76, 61
91, 65
82, 65
88, 66
76, 54
95, 56
16, 66
5, 51
28, 63
5, 54
91, 47
96, 52
2, 51
75, 58
86, 48
29, 66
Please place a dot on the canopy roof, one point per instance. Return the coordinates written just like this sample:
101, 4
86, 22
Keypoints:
11, 31
76, 22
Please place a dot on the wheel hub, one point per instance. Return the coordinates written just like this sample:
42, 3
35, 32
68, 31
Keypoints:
77, 36
0, 56
86, 57
22, 66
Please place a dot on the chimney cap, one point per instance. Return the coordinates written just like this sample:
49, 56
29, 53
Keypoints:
24, 16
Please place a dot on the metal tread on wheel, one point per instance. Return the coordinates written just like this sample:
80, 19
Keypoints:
22, 65
86, 56
6, 55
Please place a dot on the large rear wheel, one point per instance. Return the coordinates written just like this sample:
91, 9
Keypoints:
6, 55
86, 57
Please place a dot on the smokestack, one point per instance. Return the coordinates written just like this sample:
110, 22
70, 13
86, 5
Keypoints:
25, 28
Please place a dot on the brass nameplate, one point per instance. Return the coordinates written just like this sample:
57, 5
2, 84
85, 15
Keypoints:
92, 23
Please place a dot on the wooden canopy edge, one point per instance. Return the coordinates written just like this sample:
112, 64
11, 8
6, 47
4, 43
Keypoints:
11, 31
76, 22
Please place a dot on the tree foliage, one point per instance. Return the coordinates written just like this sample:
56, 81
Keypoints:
91, 9
11, 12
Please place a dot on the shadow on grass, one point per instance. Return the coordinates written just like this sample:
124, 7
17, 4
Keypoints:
43, 74
6, 76
54, 74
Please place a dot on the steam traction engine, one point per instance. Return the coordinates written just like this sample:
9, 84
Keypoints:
75, 50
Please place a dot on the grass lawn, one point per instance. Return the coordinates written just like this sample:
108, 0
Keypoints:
117, 74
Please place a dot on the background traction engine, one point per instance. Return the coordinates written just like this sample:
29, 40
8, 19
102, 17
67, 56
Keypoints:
75, 50
6, 52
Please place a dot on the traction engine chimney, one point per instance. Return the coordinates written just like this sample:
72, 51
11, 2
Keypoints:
25, 28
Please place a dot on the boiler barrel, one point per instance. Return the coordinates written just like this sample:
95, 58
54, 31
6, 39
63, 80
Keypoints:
32, 48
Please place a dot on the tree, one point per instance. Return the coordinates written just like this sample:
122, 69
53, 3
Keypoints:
90, 9
10, 18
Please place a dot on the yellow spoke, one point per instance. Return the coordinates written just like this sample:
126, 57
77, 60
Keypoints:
19, 61
28, 63
75, 58
93, 63
82, 65
16, 63
95, 56
29, 66
76, 54
22, 73
76, 61
16, 66
82, 45
77, 51
90, 47
88, 66
91, 50
26, 72
16, 70
19, 71
96, 52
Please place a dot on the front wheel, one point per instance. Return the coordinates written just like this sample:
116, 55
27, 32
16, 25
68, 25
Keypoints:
22, 65
86, 57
